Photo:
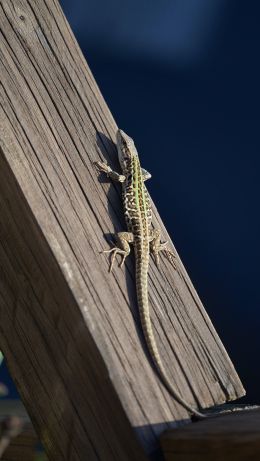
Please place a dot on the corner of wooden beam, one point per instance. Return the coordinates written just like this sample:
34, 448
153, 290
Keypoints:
230, 436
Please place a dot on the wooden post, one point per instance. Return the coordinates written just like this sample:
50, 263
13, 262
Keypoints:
69, 329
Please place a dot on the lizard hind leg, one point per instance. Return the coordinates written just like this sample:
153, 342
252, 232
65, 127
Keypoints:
123, 248
156, 246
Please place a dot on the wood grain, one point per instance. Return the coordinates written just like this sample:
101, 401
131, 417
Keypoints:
69, 329
231, 437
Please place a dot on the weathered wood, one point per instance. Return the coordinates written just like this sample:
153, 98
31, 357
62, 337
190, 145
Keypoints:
230, 437
68, 328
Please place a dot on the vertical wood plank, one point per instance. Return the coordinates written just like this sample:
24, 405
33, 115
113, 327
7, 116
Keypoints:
69, 329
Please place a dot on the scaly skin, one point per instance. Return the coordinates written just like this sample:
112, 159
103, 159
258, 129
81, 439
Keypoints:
138, 216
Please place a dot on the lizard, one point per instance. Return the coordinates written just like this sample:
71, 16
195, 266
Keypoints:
146, 241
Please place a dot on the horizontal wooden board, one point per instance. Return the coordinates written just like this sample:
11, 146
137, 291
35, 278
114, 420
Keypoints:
229, 437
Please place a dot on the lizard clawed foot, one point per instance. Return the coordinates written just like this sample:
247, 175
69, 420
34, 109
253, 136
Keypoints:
115, 251
157, 246
170, 255
123, 248
102, 167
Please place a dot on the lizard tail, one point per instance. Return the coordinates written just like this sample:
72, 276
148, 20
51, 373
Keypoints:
143, 304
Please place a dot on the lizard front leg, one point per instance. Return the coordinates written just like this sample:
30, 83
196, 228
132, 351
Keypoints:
123, 238
104, 168
122, 248
156, 246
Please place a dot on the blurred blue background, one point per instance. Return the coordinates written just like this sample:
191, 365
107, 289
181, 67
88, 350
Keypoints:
182, 78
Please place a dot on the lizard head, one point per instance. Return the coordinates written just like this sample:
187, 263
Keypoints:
125, 148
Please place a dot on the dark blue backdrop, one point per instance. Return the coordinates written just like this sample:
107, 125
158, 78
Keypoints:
182, 78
